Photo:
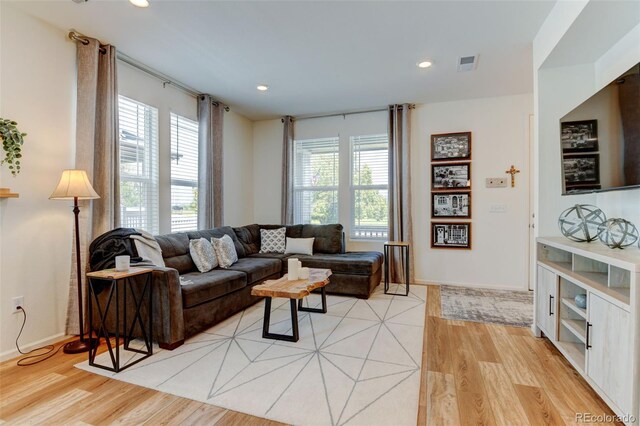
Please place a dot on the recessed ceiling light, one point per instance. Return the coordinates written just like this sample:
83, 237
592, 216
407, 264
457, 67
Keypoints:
424, 64
140, 3
262, 87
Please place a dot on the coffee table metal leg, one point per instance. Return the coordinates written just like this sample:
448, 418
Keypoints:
267, 318
322, 310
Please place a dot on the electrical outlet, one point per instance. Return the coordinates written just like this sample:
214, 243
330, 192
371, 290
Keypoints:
17, 301
496, 182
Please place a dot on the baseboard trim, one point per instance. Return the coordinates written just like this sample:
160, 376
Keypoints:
470, 285
8, 355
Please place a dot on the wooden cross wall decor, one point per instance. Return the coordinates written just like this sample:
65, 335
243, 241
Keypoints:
512, 171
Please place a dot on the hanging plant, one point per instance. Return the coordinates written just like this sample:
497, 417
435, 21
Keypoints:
12, 140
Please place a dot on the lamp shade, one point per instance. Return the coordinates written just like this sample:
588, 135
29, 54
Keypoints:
74, 184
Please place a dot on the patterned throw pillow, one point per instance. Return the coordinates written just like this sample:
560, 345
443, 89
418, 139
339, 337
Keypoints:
225, 251
272, 240
203, 254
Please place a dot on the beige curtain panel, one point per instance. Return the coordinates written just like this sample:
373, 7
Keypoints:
97, 151
210, 133
287, 171
400, 223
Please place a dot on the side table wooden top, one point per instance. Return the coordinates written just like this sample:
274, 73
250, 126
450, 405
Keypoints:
296, 289
112, 274
396, 243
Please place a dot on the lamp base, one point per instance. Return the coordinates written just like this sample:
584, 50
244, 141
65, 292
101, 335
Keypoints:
79, 346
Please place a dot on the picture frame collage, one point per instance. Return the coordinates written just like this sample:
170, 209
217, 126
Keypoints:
451, 190
580, 154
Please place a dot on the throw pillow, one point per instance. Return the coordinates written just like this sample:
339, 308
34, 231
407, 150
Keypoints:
225, 251
273, 240
300, 246
203, 254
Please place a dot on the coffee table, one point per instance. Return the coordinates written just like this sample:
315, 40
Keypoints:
295, 290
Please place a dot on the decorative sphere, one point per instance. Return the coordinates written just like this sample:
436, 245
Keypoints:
618, 233
581, 222
581, 301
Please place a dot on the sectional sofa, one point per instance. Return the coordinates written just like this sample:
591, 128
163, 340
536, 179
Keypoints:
187, 302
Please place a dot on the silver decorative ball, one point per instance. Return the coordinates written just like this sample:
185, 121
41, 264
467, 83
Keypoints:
618, 233
581, 222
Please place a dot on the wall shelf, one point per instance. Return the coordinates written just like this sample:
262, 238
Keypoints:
6, 193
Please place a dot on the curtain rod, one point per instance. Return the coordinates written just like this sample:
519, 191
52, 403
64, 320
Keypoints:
343, 114
76, 36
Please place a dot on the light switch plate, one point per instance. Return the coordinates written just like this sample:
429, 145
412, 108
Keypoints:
496, 182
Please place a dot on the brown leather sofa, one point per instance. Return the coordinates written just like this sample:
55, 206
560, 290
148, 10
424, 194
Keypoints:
183, 310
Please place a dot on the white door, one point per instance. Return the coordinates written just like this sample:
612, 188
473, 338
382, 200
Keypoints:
609, 354
547, 302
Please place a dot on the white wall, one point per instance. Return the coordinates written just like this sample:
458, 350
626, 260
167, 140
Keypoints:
500, 129
238, 170
500, 137
37, 86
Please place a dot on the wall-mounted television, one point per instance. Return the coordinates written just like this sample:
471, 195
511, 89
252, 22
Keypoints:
600, 139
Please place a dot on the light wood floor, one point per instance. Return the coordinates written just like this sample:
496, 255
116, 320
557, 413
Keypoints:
472, 373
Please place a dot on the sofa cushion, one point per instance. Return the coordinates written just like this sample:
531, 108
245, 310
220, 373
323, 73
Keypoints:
257, 268
175, 251
210, 285
225, 251
203, 254
328, 238
249, 236
219, 233
272, 240
354, 263
279, 256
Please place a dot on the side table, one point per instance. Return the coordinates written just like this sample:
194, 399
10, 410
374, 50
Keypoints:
404, 247
115, 281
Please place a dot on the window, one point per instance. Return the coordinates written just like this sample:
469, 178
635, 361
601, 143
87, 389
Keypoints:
315, 180
370, 186
138, 165
184, 174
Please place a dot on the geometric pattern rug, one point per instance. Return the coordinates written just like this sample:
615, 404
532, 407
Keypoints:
506, 307
358, 364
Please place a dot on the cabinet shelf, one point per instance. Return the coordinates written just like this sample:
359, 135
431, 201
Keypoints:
574, 352
6, 193
576, 327
571, 304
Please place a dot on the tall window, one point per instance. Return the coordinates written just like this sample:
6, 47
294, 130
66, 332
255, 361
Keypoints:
369, 186
315, 180
184, 174
138, 165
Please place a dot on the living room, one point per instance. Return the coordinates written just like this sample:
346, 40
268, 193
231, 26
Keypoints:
337, 76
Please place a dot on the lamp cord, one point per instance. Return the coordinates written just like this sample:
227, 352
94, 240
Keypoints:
50, 349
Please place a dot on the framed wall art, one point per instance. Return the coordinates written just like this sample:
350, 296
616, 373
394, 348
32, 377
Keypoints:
579, 136
450, 176
453, 235
451, 146
451, 205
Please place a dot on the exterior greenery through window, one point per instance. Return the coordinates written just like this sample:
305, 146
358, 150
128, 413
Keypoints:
138, 134
184, 174
315, 180
370, 186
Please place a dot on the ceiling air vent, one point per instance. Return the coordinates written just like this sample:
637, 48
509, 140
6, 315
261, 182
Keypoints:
467, 63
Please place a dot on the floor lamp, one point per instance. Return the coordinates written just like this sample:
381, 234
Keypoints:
74, 185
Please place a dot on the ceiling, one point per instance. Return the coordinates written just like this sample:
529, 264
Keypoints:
318, 56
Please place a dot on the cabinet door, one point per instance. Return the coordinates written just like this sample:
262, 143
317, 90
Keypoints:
609, 355
547, 302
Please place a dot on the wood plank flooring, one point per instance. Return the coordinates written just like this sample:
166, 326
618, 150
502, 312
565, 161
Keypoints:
479, 374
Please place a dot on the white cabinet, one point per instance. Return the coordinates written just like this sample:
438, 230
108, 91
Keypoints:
601, 340
609, 350
547, 302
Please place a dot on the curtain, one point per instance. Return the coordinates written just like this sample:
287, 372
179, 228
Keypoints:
97, 152
629, 99
210, 120
287, 171
400, 225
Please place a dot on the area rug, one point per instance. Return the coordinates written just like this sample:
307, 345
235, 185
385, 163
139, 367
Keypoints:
504, 307
359, 364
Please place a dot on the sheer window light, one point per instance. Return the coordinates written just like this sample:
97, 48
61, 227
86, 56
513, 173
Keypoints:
184, 174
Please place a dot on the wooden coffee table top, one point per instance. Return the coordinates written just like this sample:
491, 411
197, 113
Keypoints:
296, 289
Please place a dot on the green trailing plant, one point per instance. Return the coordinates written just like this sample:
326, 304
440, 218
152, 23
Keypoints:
12, 140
